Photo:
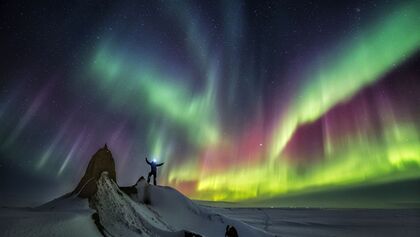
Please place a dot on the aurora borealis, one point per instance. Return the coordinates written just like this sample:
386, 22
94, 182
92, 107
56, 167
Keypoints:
241, 100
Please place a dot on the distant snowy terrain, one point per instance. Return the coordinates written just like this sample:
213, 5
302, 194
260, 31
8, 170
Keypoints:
69, 217
330, 222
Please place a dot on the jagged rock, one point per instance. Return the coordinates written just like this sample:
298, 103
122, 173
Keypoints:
101, 161
131, 190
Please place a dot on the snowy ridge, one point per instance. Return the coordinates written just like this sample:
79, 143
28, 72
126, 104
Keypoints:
182, 213
119, 215
168, 214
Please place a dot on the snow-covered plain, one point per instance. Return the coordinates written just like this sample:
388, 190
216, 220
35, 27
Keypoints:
330, 222
163, 211
55, 220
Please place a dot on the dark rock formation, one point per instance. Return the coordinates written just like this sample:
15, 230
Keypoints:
231, 231
101, 161
132, 190
191, 234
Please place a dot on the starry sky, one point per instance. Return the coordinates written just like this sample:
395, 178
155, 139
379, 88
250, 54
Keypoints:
242, 100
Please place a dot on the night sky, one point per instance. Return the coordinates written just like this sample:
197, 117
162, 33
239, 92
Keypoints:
240, 99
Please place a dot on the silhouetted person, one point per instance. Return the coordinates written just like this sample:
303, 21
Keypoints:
153, 170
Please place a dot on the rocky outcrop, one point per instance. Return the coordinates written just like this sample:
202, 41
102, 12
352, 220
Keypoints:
101, 161
132, 190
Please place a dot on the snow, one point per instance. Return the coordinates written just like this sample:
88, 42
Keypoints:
35, 223
165, 212
330, 222
169, 214
180, 213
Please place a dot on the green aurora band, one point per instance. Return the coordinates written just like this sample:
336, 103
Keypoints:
348, 68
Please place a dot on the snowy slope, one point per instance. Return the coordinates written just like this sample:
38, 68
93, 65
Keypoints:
181, 213
169, 213
121, 216
112, 212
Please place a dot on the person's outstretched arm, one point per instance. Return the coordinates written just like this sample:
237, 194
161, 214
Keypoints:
147, 161
160, 164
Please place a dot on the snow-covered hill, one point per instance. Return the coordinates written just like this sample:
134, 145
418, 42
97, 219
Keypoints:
147, 211
98, 207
